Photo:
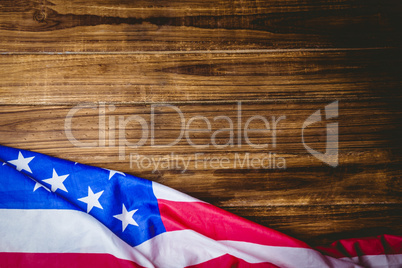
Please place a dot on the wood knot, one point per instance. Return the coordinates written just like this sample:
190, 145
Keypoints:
39, 16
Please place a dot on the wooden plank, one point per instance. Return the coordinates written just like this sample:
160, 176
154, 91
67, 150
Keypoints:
369, 152
84, 26
221, 77
322, 225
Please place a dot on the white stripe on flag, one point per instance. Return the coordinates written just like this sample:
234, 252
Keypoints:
185, 248
374, 261
69, 231
61, 231
163, 192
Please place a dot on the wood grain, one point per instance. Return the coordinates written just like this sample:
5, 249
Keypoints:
84, 26
369, 152
322, 225
280, 76
276, 58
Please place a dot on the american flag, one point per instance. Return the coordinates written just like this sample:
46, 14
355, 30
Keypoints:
58, 213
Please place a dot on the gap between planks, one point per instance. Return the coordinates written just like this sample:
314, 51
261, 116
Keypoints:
358, 204
236, 51
206, 102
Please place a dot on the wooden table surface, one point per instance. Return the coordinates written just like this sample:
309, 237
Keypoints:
101, 68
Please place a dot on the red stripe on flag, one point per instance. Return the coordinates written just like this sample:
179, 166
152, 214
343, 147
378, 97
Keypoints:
219, 224
383, 244
63, 260
231, 261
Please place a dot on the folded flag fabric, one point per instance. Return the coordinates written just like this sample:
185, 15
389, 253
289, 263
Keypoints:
57, 213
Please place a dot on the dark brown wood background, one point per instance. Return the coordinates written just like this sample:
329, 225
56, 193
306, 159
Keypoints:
276, 57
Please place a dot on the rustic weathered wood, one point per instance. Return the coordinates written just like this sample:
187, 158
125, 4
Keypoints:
322, 225
278, 57
369, 158
276, 76
55, 25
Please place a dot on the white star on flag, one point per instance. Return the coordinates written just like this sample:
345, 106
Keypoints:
126, 217
22, 163
57, 181
92, 199
38, 185
112, 172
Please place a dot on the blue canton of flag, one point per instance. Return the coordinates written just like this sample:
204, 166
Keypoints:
123, 203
